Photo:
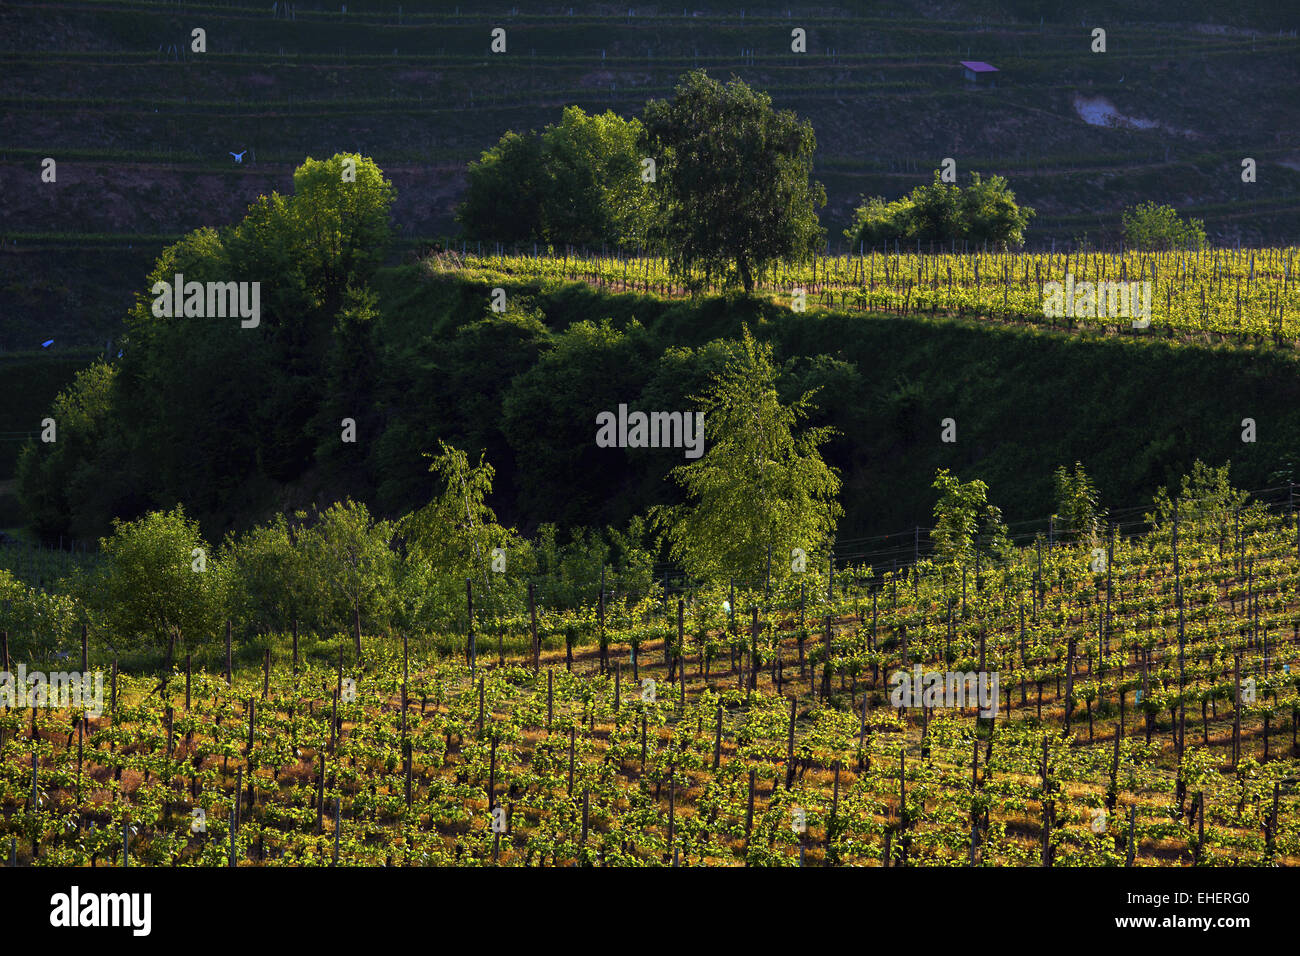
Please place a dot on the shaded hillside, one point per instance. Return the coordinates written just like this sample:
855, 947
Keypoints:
142, 134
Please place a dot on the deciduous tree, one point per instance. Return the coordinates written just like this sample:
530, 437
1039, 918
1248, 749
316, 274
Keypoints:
734, 185
761, 484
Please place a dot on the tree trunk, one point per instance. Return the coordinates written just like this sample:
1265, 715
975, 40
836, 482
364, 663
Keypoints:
746, 276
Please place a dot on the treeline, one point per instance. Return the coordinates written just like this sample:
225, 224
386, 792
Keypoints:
714, 178
695, 175
762, 489
160, 584
337, 573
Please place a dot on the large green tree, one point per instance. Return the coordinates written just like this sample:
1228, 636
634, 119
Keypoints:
761, 487
595, 193
734, 181
456, 538
158, 577
339, 217
457, 531
213, 412
990, 214
578, 181
1152, 225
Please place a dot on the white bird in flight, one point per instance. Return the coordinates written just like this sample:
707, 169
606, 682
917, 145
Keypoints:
239, 157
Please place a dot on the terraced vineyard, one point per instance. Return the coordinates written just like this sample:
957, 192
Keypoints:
1147, 716
1120, 695
141, 125
1243, 295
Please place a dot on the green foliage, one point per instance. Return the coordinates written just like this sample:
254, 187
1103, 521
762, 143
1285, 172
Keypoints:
158, 577
963, 520
251, 404
507, 187
271, 580
571, 573
985, 212
347, 564
332, 571
30, 381
1152, 225
734, 184
457, 531
594, 189
59, 486
508, 386
351, 369
1205, 493
452, 539
1077, 502
339, 226
39, 623
935, 212
877, 222
322, 245
760, 485
990, 214
578, 182
549, 415
450, 388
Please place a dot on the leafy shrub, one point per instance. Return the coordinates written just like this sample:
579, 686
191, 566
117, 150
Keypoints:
1154, 226
984, 212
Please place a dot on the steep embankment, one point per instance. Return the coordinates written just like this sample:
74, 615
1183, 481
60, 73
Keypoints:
1137, 412
525, 388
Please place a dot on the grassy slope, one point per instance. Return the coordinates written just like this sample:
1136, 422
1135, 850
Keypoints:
1025, 400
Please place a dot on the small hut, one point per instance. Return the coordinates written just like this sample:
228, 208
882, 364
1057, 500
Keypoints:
977, 72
